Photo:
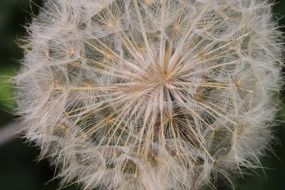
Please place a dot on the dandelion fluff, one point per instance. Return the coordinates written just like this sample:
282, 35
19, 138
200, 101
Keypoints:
149, 94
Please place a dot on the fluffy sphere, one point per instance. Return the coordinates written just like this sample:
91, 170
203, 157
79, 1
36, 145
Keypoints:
150, 94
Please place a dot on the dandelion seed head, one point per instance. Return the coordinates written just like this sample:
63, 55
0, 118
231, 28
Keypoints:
151, 94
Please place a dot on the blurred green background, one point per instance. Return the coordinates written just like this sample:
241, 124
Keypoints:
19, 169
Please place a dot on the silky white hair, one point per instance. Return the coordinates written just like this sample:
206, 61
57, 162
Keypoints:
151, 94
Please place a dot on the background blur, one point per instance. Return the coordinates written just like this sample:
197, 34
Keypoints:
19, 169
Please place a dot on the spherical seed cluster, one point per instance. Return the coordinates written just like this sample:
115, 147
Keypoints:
150, 94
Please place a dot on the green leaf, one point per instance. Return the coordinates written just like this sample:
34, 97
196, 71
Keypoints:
7, 101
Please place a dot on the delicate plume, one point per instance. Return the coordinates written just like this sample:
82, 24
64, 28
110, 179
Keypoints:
150, 94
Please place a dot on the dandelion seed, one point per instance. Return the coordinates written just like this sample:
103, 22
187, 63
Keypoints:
151, 94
